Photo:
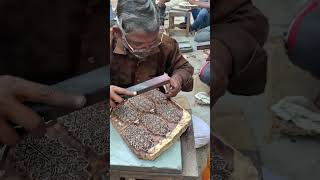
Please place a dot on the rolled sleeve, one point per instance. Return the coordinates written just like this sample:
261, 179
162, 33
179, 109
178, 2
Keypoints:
180, 66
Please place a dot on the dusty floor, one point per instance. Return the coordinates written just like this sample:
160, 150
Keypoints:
287, 159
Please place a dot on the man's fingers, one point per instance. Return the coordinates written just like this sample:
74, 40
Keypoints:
172, 93
173, 89
115, 97
119, 90
112, 104
35, 92
21, 115
169, 95
7, 134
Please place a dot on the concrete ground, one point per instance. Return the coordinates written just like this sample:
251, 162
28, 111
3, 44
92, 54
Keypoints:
289, 159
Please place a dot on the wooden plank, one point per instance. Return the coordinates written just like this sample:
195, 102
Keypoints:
145, 170
188, 24
188, 150
177, 30
180, 9
114, 175
189, 158
153, 176
203, 45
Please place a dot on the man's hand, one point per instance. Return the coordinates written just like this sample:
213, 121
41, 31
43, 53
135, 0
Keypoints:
174, 87
14, 91
115, 93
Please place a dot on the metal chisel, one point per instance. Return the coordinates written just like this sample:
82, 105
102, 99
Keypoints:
148, 85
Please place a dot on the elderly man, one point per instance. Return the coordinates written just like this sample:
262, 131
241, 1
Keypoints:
139, 52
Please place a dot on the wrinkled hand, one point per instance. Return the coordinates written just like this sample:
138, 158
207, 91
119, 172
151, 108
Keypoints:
14, 91
115, 95
174, 87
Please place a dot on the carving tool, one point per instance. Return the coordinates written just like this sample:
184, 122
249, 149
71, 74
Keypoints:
93, 85
148, 85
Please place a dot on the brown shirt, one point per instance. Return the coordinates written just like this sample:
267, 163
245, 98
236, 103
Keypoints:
127, 70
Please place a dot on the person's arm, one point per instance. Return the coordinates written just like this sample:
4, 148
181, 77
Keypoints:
14, 92
178, 66
200, 4
241, 71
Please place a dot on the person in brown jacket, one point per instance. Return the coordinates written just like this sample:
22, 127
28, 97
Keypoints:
139, 52
239, 62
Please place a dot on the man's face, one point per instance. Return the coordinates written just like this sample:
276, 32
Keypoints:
142, 40
141, 44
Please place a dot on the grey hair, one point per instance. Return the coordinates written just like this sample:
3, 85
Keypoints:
138, 15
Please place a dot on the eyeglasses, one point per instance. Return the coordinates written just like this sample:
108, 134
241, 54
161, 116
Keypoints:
142, 50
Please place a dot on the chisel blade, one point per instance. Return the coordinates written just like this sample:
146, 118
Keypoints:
149, 85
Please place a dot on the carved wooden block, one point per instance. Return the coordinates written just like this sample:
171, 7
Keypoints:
75, 148
46, 158
90, 127
220, 168
150, 123
228, 163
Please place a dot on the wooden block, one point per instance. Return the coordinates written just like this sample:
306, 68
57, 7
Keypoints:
188, 24
158, 120
187, 5
73, 148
